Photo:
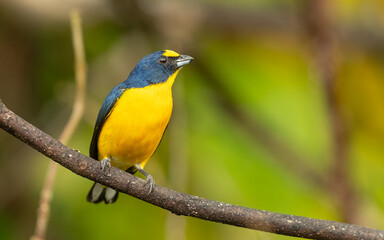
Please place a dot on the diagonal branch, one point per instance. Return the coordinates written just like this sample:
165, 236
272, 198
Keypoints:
282, 153
176, 202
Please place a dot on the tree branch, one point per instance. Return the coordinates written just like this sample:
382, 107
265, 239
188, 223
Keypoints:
282, 153
176, 202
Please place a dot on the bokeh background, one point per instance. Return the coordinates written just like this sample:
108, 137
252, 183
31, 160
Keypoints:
282, 110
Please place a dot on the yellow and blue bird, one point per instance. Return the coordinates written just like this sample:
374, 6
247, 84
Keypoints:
133, 118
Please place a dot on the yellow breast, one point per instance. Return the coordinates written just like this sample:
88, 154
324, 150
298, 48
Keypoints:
136, 124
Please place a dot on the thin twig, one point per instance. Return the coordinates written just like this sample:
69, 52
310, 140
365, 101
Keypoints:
80, 75
176, 202
77, 113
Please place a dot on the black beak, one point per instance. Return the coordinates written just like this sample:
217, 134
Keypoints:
183, 60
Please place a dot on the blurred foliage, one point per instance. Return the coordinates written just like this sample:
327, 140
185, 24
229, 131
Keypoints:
268, 74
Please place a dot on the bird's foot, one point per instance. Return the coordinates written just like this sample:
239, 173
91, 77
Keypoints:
149, 182
105, 165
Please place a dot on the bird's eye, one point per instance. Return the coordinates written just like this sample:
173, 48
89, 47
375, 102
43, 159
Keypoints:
163, 60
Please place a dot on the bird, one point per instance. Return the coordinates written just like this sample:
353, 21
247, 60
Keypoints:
133, 119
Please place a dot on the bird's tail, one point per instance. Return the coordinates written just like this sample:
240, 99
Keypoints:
100, 193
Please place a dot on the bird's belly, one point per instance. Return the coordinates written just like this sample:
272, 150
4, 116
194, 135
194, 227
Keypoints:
133, 130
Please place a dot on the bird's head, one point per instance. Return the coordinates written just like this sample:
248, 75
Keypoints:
156, 68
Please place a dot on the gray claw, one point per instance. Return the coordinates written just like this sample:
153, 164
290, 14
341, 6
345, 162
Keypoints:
105, 165
150, 182
148, 178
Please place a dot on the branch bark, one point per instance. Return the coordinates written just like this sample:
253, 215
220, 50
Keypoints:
176, 202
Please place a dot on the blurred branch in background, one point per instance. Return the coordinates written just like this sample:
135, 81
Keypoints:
222, 20
76, 115
276, 147
227, 21
320, 28
176, 202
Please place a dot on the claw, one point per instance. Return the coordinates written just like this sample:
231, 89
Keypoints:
105, 165
149, 181
148, 178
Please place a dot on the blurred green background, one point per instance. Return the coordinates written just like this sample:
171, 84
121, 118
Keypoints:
251, 126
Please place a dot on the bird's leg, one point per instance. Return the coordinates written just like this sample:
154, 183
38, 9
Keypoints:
105, 165
148, 178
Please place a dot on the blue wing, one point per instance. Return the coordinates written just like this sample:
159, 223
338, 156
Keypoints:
106, 108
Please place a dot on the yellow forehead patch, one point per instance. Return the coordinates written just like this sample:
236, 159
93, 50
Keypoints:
170, 53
